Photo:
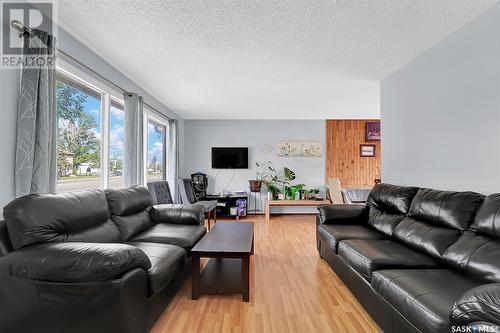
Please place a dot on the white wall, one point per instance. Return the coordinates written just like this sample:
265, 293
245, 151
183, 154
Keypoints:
9, 88
441, 113
202, 135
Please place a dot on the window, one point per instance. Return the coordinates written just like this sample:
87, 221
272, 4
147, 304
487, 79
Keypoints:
90, 133
116, 139
78, 136
156, 152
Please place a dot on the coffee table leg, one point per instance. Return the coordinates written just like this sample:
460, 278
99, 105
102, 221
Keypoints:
195, 277
251, 251
245, 278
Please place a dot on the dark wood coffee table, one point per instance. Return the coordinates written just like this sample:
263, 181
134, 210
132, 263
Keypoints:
230, 245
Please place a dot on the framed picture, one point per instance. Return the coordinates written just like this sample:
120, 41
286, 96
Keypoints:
299, 148
372, 131
366, 150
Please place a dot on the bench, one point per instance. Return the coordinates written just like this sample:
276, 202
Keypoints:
298, 203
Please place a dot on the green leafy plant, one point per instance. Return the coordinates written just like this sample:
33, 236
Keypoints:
272, 188
314, 191
275, 180
290, 191
263, 169
311, 193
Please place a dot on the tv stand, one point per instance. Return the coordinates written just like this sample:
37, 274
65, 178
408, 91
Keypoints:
225, 202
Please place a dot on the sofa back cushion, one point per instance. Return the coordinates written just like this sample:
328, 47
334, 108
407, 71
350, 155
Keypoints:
477, 251
388, 205
436, 219
487, 220
81, 216
129, 209
450, 209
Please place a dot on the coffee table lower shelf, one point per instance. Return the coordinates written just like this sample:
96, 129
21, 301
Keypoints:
223, 276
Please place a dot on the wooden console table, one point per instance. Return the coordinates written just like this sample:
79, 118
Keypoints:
301, 203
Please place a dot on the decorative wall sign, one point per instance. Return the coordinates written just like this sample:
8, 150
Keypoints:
367, 150
267, 147
299, 148
372, 131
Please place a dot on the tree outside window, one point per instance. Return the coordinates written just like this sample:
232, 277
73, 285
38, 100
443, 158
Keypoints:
78, 137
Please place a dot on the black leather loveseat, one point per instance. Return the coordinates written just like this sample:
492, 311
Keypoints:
418, 260
91, 261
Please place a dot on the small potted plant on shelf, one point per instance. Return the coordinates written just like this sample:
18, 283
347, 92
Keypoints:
293, 192
311, 194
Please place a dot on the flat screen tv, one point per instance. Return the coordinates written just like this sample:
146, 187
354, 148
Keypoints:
229, 157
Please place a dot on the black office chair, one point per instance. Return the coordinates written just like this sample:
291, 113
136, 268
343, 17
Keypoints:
160, 191
188, 196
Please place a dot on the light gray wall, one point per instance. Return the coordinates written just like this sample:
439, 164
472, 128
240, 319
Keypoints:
202, 135
9, 84
441, 113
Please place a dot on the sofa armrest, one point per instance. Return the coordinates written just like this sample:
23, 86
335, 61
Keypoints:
342, 214
480, 304
177, 214
73, 262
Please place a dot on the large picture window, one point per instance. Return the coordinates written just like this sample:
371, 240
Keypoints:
156, 153
116, 139
78, 136
90, 134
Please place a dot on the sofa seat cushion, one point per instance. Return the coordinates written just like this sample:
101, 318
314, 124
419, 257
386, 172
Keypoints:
424, 297
174, 234
367, 256
331, 234
166, 262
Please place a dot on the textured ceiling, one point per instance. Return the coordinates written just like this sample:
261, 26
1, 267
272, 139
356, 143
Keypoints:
264, 59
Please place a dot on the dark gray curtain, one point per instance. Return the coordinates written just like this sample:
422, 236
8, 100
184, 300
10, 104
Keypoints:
35, 169
133, 155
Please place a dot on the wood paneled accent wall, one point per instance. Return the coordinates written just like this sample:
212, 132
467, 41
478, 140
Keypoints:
343, 138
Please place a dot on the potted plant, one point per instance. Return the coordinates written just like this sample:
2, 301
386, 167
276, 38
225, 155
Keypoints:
277, 181
274, 190
256, 184
293, 192
270, 179
311, 194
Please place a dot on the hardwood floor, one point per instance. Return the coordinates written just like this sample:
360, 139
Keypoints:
291, 290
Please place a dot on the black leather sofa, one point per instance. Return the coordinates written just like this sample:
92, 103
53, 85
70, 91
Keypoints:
92, 261
417, 259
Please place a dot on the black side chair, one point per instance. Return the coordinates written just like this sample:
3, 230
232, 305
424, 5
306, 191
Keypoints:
186, 189
160, 191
